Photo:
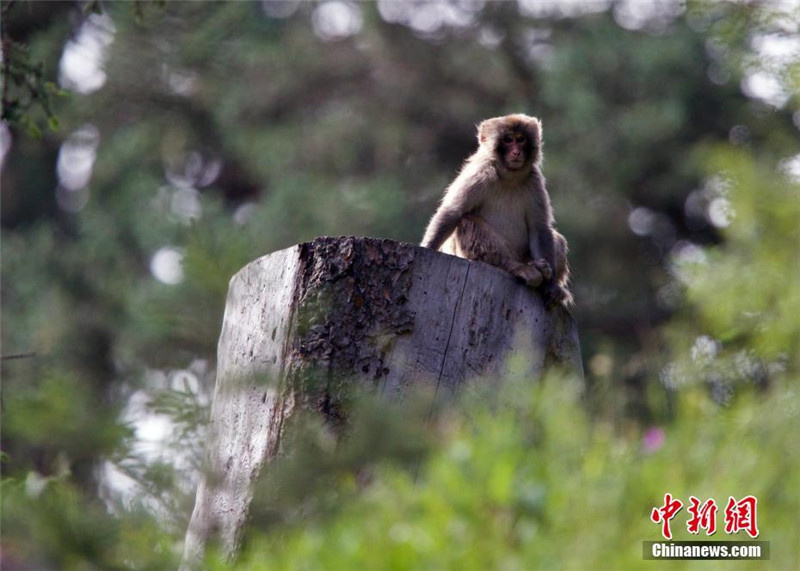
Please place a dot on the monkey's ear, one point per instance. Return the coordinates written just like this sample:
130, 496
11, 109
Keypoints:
482, 133
485, 130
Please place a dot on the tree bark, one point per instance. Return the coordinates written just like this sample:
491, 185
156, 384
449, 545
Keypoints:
304, 324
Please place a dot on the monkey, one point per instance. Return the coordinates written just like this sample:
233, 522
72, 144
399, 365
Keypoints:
497, 210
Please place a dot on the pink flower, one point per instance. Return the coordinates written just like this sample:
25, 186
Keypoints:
653, 439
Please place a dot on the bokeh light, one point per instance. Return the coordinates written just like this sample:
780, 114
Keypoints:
83, 60
167, 265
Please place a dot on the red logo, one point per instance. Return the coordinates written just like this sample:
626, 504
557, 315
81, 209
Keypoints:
741, 515
703, 516
665, 513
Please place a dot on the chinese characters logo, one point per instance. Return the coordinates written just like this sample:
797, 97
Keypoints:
739, 515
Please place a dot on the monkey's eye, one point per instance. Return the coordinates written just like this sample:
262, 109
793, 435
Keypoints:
521, 139
508, 139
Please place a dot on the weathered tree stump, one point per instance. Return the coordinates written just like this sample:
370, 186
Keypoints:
376, 313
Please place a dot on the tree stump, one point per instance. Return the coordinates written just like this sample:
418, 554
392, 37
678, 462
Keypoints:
376, 313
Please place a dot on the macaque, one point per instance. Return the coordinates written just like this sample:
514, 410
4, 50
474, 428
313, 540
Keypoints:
497, 210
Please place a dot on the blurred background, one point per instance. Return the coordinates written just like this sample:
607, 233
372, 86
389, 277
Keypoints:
151, 149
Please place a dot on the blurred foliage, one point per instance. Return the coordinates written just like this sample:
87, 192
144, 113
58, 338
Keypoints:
324, 469
51, 525
23, 83
25, 89
198, 136
522, 480
745, 291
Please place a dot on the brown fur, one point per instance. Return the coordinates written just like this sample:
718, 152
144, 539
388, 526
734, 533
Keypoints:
497, 210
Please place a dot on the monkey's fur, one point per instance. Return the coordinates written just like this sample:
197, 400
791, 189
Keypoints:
497, 210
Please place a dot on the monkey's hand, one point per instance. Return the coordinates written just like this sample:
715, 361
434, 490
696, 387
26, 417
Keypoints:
543, 267
555, 294
528, 273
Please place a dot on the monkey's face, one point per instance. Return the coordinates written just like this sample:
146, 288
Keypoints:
514, 140
515, 149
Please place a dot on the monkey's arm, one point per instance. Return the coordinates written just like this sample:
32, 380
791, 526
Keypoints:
543, 251
461, 197
442, 224
542, 246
